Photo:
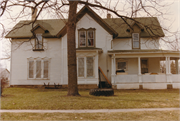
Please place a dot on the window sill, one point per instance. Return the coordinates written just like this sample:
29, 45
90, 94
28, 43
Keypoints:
38, 49
86, 77
37, 79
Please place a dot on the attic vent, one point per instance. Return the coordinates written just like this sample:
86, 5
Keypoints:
46, 31
128, 30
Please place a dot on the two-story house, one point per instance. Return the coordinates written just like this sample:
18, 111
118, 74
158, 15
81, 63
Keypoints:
129, 55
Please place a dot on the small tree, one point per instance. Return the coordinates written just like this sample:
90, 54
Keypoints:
3, 82
163, 67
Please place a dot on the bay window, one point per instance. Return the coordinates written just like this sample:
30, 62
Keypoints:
85, 66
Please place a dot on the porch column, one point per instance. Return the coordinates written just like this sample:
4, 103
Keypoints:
96, 69
167, 63
139, 69
113, 70
177, 66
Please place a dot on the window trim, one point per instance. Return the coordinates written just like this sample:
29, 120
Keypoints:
42, 68
86, 37
138, 40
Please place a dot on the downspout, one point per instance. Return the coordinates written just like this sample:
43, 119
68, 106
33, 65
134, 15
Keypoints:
10, 80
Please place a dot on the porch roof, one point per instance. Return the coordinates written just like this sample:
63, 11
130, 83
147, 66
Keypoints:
145, 53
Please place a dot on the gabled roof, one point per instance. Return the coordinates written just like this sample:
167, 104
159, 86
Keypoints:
120, 26
115, 26
97, 18
23, 28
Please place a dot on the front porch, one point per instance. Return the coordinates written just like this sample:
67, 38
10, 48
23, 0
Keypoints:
141, 70
162, 81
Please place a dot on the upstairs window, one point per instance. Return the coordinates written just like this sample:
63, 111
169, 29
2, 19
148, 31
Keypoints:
90, 38
82, 38
87, 37
135, 41
38, 42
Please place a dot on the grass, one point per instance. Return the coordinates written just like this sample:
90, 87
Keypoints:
138, 116
54, 99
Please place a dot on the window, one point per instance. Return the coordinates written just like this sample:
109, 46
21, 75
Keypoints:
31, 69
89, 66
87, 37
38, 69
135, 42
144, 66
81, 67
85, 67
46, 68
82, 38
122, 65
38, 42
90, 38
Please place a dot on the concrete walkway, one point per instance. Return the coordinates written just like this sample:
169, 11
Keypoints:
89, 110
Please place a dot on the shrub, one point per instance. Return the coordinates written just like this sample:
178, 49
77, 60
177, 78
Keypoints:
3, 83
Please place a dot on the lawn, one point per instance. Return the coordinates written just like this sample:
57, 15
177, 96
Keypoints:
138, 116
34, 98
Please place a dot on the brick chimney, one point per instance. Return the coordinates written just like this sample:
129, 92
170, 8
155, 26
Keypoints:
34, 13
108, 15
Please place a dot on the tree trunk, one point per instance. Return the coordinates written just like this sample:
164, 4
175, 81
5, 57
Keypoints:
72, 69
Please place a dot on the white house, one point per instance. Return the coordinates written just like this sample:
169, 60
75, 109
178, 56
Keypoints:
107, 43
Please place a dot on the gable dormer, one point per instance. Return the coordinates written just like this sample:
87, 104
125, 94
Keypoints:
135, 30
38, 29
38, 32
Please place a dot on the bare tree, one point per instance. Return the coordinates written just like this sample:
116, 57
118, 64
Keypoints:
128, 10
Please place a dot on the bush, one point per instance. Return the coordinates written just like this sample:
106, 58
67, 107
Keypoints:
3, 83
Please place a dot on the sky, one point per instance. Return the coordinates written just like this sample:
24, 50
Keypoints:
174, 16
